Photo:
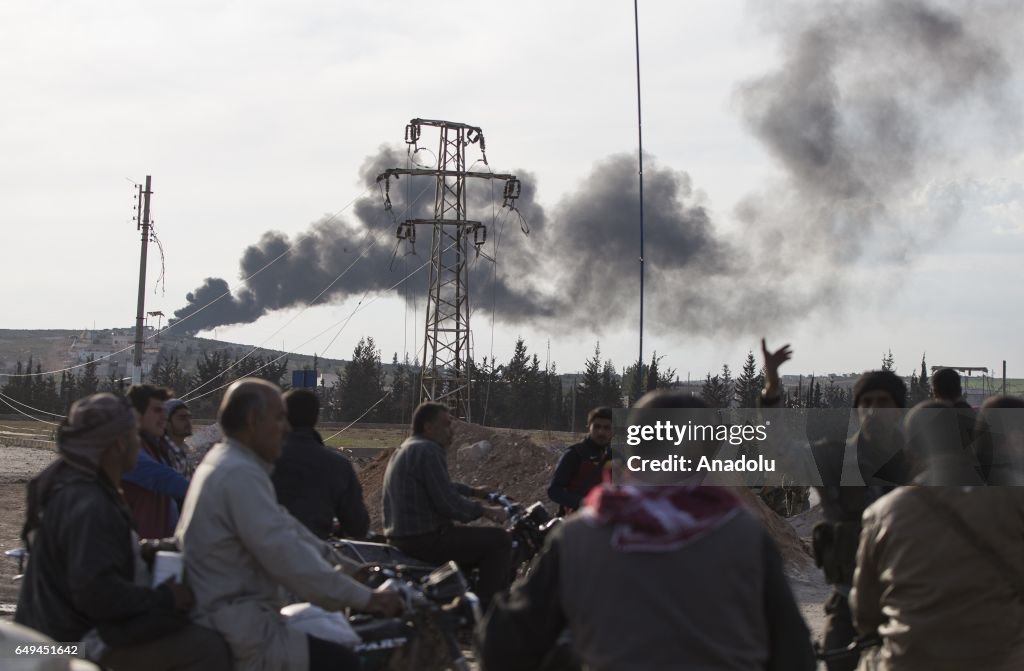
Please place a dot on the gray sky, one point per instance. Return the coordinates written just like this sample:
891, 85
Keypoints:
845, 181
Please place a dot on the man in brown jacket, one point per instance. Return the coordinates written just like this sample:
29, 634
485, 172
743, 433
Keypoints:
939, 576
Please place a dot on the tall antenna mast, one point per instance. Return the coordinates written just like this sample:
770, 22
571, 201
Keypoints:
444, 375
640, 152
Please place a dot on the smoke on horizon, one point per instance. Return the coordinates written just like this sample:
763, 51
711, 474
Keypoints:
865, 102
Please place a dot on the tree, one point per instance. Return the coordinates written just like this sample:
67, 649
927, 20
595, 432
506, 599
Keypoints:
611, 386
589, 393
401, 402
68, 390
520, 376
749, 384
88, 383
653, 377
888, 363
834, 396
361, 384
168, 372
211, 372
715, 391
920, 386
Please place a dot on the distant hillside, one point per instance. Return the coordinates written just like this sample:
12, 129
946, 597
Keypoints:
60, 348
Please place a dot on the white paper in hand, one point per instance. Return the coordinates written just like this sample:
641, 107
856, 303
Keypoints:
168, 565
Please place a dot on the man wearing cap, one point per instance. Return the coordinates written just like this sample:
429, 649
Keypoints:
855, 472
179, 427
85, 580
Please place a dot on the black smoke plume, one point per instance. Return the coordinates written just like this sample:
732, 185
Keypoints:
868, 100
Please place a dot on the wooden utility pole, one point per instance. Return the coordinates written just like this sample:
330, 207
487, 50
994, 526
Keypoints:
142, 223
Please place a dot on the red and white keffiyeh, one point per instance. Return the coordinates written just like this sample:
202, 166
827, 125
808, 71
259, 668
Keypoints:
658, 519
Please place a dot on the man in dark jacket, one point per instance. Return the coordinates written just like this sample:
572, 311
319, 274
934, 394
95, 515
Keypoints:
83, 581
855, 472
315, 483
582, 466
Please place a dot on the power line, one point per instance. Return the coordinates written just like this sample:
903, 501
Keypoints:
4, 398
354, 421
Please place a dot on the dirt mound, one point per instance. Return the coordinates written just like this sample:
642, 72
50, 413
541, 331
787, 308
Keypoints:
794, 552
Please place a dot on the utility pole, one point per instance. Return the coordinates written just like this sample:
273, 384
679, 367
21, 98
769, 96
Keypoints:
142, 223
444, 372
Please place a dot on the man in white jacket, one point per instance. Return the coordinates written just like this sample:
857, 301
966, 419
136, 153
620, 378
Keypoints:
241, 547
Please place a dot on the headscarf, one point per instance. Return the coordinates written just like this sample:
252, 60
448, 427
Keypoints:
91, 426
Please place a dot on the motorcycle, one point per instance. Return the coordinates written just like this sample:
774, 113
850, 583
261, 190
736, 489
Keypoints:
528, 527
425, 637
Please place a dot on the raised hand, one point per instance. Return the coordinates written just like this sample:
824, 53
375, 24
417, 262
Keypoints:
772, 361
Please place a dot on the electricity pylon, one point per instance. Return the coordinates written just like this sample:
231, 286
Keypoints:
444, 373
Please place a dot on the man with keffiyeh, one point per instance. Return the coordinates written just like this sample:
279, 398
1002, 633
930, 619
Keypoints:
85, 579
654, 577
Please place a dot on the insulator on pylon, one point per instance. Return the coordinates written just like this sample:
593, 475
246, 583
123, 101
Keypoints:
513, 188
479, 236
406, 231
412, 133
387, 194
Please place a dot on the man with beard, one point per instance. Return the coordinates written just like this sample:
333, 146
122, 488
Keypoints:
854, 473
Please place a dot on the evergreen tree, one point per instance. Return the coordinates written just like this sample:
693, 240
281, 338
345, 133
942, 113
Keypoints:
88, 383
519, 376
112, 382
361, 384
920, 385
749, 384
888, 362
212, 371
12, 388
68, 391
834, 396
717, 390
589, 392
653, 377
611, 386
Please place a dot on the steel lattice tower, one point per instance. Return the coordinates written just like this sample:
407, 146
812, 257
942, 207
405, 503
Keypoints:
444, 372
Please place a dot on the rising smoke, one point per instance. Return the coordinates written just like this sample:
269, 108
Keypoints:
865, 104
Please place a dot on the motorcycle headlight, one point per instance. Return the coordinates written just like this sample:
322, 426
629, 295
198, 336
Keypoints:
445, 583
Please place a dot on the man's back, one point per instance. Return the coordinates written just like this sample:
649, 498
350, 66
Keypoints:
699, 607
316, 484
936, 599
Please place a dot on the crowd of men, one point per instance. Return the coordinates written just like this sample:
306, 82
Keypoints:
672, 574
